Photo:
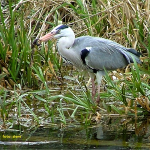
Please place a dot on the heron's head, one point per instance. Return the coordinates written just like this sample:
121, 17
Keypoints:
57, 33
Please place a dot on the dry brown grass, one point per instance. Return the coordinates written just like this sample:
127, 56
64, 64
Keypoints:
109, 18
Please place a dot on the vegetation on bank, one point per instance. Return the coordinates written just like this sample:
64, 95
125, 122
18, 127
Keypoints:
36, 84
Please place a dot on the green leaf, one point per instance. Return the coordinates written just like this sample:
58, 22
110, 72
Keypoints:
116, 109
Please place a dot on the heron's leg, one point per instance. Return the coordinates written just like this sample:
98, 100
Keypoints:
99, 76
98, 96
92, 75
93, 88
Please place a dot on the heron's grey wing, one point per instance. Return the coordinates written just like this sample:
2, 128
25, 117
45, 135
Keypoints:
104, 53
109, 55
105, 57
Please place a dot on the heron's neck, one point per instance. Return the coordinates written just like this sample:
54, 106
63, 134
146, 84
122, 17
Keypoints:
64, 43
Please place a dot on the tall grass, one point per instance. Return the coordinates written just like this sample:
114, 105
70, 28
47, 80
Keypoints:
15, 48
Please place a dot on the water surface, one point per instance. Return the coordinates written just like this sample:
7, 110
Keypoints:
110, 133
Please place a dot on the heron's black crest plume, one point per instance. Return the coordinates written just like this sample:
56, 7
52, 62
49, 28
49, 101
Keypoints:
62, 27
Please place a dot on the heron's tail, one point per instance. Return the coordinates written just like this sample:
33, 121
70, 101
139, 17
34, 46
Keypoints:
131, 54
133, 51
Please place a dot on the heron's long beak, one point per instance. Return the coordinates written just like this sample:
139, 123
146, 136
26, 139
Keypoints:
46, 37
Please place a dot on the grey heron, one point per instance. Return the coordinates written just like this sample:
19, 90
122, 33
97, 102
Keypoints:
91, 54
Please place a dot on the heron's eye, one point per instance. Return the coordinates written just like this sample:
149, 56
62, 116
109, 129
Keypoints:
57, 31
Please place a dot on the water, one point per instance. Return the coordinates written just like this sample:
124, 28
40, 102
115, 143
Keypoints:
111, 133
